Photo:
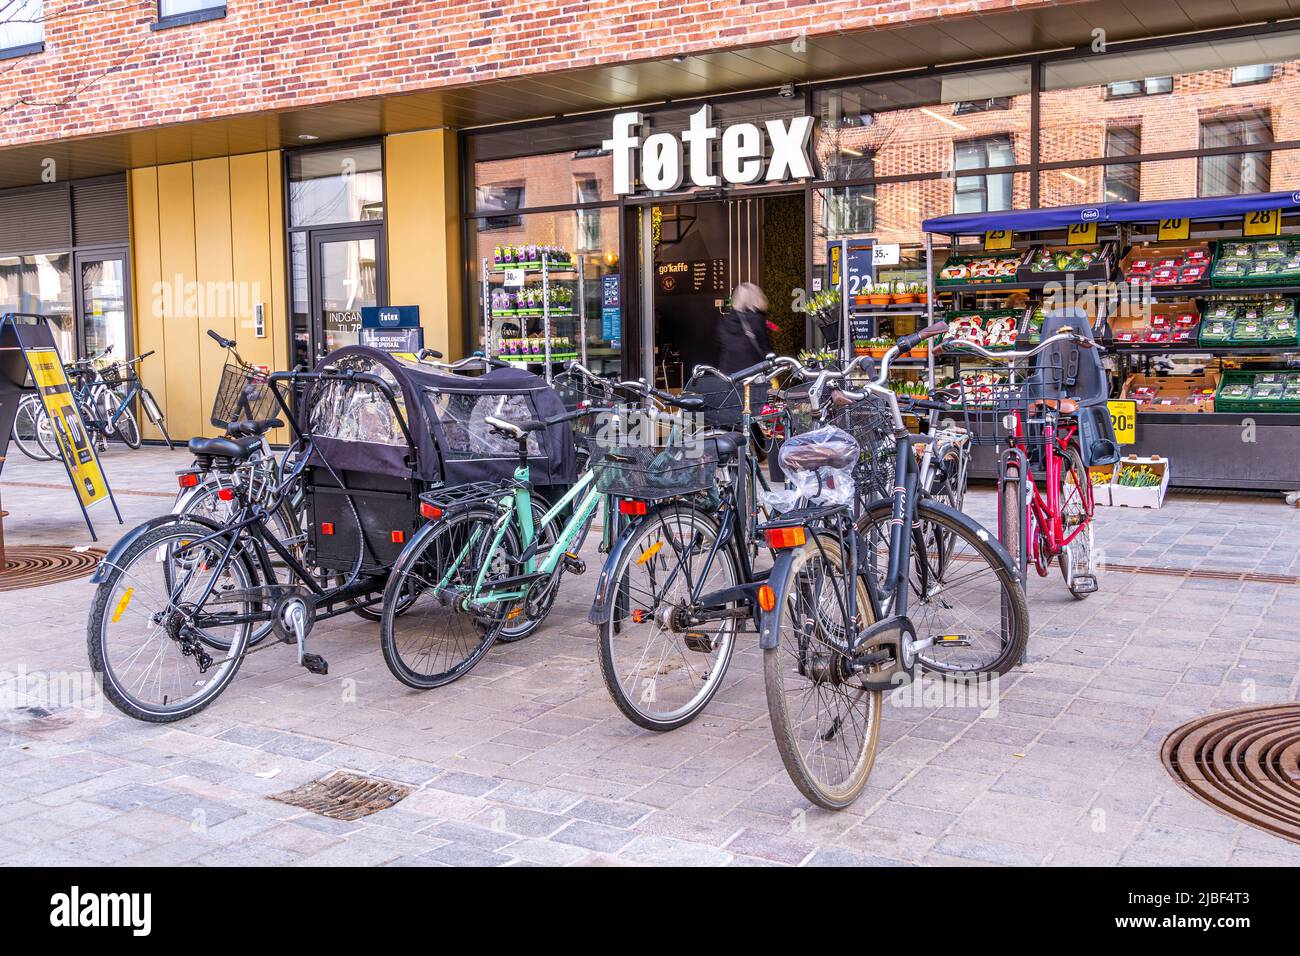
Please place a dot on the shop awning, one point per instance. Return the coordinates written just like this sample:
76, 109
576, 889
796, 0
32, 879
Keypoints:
1062, 217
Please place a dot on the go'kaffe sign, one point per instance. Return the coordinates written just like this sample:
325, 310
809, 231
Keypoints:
665, 159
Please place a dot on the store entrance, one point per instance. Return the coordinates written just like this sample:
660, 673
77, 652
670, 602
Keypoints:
701, 252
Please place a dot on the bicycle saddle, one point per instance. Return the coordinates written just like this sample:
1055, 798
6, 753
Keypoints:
724, 444
237, 449
256, 426
811, 457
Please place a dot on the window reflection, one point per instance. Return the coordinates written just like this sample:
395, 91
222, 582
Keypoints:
41, 285
336, 185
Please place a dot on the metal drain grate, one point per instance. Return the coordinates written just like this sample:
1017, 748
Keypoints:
1245, 762
344, 795
34, 565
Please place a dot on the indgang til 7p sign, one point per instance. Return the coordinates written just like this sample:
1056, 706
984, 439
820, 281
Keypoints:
665, 159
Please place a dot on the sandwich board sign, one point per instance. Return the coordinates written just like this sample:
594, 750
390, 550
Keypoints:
27, 347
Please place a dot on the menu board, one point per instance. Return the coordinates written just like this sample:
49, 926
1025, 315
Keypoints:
692, 277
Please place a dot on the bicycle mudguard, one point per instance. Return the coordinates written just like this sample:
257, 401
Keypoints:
769, 622
110, 560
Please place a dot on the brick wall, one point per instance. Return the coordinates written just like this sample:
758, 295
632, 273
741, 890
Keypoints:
104, 70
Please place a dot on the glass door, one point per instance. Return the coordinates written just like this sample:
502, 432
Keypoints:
347, 274
103, 295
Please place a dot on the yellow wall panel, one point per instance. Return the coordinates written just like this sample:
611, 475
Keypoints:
422, 215
207, 246
142, 186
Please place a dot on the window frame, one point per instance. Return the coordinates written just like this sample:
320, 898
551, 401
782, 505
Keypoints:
1144, 91
32, 46
165, 21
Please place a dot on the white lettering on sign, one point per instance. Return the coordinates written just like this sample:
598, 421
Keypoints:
664, 160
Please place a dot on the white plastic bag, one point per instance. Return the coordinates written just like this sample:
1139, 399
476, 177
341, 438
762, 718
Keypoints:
818, 467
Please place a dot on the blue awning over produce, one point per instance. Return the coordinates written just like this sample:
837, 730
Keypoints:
1036, 220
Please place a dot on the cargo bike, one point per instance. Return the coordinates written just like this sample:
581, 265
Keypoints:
184, 598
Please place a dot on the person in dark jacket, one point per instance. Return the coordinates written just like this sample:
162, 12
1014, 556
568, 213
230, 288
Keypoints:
743, 336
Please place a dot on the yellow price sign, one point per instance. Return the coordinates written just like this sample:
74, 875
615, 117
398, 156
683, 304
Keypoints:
1171, 229
997, 239
1123, 418
1262, 222
1081, 234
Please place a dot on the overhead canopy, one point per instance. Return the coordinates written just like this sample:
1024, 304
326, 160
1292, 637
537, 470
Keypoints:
1061, 217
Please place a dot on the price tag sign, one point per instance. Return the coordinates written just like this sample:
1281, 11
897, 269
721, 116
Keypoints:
514, 278
1265, 222
1172, 229
996, 239
1081, 234
1123, 418
886, 254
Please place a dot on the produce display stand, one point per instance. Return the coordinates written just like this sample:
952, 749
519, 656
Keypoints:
1211, 283
539, 323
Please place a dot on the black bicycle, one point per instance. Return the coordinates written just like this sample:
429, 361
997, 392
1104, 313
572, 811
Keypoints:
863, 592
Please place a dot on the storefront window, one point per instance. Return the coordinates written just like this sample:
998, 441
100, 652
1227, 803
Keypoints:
1238, 172
539, 167
336, 185
989, 192
41, 285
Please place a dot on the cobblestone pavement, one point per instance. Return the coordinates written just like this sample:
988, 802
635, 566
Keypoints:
526, 760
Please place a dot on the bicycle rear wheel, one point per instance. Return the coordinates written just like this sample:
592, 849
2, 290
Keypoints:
153, 663
29, 421
1078, 559
969, 594
661, 668
127, 429
428, 634
826, 724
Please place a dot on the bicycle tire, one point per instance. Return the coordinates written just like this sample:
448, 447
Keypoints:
1011, 518
27, 420
128, 430
640, 549
1074, 466
107, 595
795, 655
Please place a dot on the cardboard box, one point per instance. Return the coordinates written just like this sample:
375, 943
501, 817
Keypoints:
1172, 391
1101, 476
1152, 497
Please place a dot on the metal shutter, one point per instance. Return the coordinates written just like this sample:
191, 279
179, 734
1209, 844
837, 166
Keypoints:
35, 219
99, 212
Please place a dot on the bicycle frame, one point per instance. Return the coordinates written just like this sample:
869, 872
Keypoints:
1041, 508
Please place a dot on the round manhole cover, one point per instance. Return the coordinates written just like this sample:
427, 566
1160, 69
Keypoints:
34, 565
1245, 762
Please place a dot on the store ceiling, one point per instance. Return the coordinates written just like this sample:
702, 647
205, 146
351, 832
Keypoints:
907, 46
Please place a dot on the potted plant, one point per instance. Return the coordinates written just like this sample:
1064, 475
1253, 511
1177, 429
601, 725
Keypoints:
877, 293
878, 346
861, 347
902, 294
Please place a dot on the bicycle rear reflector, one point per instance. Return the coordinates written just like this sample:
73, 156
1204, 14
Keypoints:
779, 538
327, 527
627, 506
432, 512
766, 597
226, 494
189, 479
399, 537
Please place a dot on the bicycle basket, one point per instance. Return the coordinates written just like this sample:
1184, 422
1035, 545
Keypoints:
242, 395
650, 473
996, 398
579, 391
116, 375
871, 423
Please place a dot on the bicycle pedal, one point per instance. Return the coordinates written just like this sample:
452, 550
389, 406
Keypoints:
700, 643
574, 564
951, 640
315, 664
1084, 583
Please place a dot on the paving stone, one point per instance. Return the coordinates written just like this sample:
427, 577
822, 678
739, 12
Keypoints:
593, 836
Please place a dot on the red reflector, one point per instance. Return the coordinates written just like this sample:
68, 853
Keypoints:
399, 537
778, 538
226, 494
628, 507
432, 512
188, 480
327, 527
766, 597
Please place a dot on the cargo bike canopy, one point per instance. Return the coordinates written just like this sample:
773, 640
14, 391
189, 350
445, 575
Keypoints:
434, 429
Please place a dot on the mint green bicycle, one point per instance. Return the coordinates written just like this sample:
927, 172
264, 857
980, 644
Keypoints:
488, 564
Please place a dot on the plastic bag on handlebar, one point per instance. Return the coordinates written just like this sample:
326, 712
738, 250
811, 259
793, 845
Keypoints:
818, 467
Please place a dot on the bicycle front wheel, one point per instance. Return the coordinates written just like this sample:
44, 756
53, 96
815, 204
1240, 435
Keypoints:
662, 656
826, 724
429, 633
28, 423
964, 594
161, 648
127, 429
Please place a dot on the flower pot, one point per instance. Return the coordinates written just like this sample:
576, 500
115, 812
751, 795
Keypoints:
905, 298
878, 299
878, 352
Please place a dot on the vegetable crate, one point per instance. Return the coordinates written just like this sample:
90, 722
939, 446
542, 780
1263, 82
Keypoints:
1140, 482
1101, 477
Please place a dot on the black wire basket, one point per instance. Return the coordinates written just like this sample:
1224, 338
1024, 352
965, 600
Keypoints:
117, 375
597, 395
996, 400
243, 395
652, 473
871, 423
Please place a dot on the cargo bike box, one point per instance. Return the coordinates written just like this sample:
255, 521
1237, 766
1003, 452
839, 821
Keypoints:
373, 458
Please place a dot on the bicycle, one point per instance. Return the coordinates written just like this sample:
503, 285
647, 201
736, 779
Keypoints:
680, 581
1035, 426
181, 599
487, 564
32, 431
112, 407
859, 595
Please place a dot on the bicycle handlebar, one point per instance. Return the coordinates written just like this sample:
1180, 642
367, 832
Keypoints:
221, 340
1065, 335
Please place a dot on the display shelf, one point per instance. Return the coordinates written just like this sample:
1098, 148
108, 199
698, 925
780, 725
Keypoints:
1201, 291
1217, 351
539, 359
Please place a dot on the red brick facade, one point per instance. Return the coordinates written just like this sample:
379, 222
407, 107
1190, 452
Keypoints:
104, 70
